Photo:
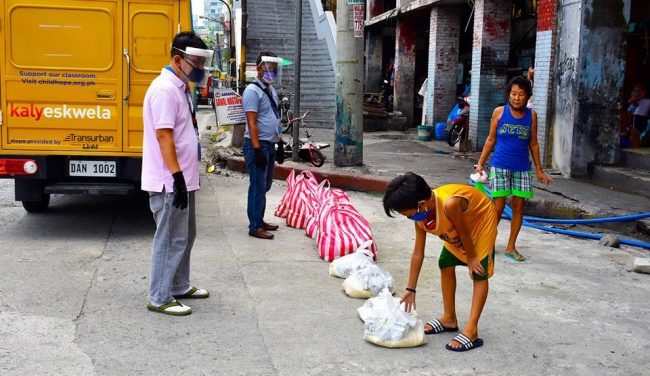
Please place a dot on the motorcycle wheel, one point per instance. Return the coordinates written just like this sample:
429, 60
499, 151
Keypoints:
316, 157
287, 126
455, 134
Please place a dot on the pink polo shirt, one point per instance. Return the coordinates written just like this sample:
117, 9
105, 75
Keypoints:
166, 107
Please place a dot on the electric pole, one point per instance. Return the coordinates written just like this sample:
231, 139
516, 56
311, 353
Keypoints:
296, 89
348, 137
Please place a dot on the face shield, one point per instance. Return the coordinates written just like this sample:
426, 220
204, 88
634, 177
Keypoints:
271, 69
198, 75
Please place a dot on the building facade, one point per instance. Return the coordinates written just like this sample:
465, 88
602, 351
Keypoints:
587, 56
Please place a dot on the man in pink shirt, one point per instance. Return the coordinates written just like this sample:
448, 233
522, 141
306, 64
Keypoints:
170, 164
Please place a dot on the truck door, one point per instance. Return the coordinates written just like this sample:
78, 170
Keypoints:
149, 29
62, 77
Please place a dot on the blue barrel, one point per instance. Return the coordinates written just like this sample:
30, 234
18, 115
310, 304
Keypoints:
424, 132
440, 131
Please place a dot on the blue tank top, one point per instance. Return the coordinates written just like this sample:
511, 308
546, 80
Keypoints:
513, 135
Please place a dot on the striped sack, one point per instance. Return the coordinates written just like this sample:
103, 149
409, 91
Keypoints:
317, 202
283, 207
342, 231
305, 183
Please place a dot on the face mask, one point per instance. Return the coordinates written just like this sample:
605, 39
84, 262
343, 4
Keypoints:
269, 77
196, 74
420, 216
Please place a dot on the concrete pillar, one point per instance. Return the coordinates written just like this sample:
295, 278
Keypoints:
444, 38
490, 54
374, 49
403, 97
373, 8
543, 80
589, 76
348, 135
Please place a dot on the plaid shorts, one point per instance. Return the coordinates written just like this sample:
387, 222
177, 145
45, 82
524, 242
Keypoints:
504, 183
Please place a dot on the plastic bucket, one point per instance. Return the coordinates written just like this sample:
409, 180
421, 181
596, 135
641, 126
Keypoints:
424, 132
440, 131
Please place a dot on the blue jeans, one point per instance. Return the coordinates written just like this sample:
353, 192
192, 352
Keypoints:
260, 181
172, 245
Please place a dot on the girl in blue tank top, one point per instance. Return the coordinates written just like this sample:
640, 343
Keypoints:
513, 136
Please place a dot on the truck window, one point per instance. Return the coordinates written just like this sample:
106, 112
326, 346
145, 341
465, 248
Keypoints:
151, 40
38, 32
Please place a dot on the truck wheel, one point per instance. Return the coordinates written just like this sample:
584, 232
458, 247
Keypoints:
37, 206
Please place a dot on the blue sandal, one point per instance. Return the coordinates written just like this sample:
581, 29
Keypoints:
515, 256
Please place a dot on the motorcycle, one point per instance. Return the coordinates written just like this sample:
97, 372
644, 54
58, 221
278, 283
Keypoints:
458, 119
458, 127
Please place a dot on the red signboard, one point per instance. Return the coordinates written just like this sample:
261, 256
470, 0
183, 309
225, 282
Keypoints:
359, 17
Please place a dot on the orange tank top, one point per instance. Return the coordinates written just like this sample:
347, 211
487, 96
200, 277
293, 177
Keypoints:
480, 216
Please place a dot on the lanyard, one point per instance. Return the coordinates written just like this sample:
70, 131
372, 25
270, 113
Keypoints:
273, 105
268, 94
188, 95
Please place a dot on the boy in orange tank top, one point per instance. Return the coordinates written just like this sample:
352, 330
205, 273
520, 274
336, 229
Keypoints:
466, 221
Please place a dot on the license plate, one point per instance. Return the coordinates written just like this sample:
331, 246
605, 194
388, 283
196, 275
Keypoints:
93, 168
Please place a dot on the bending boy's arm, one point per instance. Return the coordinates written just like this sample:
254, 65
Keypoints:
417, 258
454, 207
408, 298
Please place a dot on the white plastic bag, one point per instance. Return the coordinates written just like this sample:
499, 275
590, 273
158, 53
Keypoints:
343, 267
392, 327
378, 304
368, 282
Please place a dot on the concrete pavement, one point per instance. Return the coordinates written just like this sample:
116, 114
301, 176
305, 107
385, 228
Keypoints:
73, 298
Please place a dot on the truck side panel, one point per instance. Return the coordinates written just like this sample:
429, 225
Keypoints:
63, 77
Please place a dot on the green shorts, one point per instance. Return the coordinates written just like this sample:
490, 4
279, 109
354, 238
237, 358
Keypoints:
504, 183
447, 260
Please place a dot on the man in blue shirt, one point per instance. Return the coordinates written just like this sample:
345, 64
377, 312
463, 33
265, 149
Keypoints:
260, 137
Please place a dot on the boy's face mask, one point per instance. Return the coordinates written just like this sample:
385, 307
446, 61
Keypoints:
419, 216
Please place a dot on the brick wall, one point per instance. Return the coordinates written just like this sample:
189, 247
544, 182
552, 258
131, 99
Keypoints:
546, 19
543, 83
443, 61
491, 49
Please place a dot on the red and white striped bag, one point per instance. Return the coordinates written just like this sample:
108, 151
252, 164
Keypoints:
317, 201
342, 231
283, 207
305, 183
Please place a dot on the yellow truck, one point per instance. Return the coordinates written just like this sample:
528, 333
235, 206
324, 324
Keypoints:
73, 75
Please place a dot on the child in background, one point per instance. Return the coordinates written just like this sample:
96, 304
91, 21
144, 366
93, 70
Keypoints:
633, 102
640, 121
